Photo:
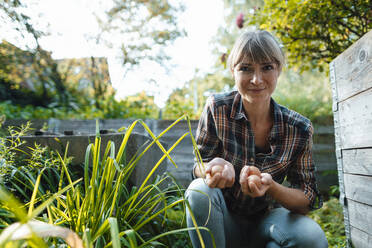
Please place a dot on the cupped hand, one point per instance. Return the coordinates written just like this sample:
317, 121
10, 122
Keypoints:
220, 174
253, 182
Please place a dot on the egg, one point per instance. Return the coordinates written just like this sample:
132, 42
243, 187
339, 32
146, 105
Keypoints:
254, 179
216, 169
254, 171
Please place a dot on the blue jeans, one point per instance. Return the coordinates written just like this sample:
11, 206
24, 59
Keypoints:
278, 228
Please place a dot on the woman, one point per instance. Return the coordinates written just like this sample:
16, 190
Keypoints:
249, 144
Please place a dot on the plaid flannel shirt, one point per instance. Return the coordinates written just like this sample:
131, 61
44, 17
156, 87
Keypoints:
225, 131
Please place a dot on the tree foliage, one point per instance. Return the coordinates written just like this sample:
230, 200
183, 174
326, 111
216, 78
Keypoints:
87, 78
28, 76
230, 30
308, 93
141, 30
314, 31
145, 28
13, 14
192, 96
179, 102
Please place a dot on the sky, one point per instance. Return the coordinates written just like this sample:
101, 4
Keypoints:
71, 21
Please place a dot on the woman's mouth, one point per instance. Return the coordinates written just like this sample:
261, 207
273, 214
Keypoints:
255, 90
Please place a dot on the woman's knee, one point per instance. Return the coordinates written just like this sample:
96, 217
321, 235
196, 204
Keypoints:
201, 197
310, 234
294, 230
198, 191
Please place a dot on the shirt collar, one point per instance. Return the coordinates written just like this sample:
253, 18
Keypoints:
237, 113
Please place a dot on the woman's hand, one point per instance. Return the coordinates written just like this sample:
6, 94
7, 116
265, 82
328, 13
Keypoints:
220, 174
253, 182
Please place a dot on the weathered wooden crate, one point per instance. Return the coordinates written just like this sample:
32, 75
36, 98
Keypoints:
351, 79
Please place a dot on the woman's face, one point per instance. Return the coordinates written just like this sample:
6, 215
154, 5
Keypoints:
256, 82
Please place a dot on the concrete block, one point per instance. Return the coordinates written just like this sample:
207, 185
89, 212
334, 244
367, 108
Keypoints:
78, 145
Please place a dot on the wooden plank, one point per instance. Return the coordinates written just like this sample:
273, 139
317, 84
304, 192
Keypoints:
360, 216
355, 121
358, 161
353, 68
358, 188
360, 239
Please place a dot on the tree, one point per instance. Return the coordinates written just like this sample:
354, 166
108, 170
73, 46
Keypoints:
314, 32
30, 77
142, 29
179, 102
88, 78
33, 66
140, 105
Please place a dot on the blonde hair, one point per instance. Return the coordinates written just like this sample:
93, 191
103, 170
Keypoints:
257, 46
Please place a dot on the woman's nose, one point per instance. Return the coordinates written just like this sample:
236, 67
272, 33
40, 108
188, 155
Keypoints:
257, 78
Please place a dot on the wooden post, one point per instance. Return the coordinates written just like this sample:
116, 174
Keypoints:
351, 80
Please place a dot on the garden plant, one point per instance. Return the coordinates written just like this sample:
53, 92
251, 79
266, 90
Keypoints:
98, 209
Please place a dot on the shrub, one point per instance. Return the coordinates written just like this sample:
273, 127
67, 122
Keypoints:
309, 94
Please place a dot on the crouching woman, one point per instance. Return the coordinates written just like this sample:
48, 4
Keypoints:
249, 145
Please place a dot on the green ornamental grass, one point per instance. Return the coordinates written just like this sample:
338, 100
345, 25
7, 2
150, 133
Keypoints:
100, 209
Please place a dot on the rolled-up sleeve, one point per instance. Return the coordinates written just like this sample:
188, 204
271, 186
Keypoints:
208, 143
302, 173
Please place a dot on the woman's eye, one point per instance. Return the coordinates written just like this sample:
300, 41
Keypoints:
268, 67
245, 68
